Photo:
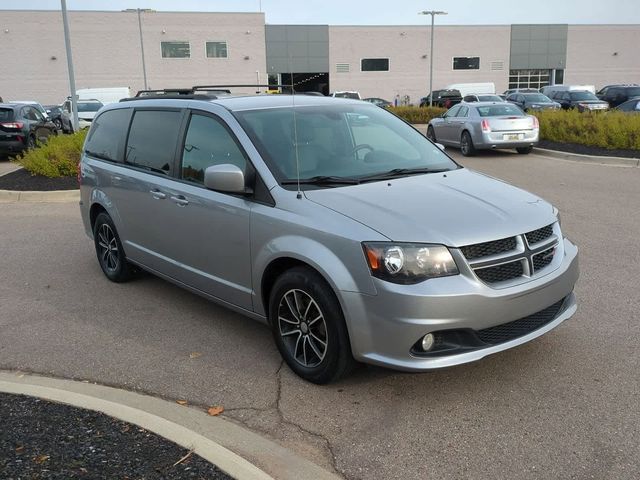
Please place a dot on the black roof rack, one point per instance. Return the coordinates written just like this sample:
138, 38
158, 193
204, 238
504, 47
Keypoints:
197, 92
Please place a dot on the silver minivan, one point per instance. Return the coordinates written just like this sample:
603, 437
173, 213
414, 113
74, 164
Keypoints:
340, 226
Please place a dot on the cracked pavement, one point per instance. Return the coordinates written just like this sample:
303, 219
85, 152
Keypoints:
563, 406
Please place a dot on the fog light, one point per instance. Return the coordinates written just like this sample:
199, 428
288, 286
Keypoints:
427, 342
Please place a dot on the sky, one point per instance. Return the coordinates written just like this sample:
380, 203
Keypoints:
379, 12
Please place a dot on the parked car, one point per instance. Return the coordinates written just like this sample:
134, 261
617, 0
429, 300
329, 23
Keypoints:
485, 125
482, 98
582, 100
438, 94
22, 127
550, 90
380, 102
532, 101
341, 227
34, 104
87, 110
60, 118
105, 95
347, 94
630, 106
618, 94
519, 90
470, 88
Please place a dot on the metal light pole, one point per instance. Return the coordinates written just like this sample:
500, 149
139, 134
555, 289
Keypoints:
144, 65
72, 78
433, 13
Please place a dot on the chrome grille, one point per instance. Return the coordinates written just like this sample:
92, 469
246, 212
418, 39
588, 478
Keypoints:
501, 273
539, 235
479, 250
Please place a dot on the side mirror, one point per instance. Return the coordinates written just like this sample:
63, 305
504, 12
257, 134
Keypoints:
225, 178
440, 146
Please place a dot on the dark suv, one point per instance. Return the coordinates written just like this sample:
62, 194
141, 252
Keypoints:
583, 100
442, 98
614, 95
21, 127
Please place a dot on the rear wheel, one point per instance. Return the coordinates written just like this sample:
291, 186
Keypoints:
524, 150
466, 145
109, 250
308, 326
431, 134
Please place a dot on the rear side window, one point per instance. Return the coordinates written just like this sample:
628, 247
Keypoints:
152, 140
107, 135
6, 114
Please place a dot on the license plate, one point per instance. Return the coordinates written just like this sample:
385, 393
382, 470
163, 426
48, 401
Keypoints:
511, 136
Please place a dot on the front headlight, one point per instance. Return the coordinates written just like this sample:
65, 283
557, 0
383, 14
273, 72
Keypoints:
408, 263
556, 212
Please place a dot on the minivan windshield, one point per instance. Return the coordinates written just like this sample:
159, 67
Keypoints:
329, 144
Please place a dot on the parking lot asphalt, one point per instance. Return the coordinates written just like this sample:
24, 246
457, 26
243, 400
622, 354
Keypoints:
563, 406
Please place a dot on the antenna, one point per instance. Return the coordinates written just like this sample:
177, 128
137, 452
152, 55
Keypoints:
295, 130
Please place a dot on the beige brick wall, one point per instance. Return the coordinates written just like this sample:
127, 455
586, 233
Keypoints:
408, 71
591, 59
106, 51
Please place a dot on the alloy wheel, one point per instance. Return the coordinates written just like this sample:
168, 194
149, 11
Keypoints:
302, 327
108, 248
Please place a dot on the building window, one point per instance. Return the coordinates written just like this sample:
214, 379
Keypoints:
530, 78
374, 65
216, 49
175, 49
466, 63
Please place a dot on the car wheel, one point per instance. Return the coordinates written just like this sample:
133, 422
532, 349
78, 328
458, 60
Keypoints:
109, 250
58, 124
431, 134
308, 326
524, 150
466, 145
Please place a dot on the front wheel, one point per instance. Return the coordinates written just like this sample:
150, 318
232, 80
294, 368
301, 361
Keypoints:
466, 145
524, 150
308, 326
58, 124
109, 250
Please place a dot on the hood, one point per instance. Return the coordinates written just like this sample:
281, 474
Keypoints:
457, 208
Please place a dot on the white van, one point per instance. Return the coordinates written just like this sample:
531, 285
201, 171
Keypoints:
469, 88
105, 95
567, 88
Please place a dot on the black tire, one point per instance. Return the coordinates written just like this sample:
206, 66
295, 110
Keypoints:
299, 343
57, 123
466, 145
524, 150
431, 134
109, 250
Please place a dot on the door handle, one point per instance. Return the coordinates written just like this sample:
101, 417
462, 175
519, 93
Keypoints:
180, 200
157, 194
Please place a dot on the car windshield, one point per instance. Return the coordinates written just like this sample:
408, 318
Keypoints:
582, 96
537, 97
499, 110
353, 95
339, 142
6, 114
89, 106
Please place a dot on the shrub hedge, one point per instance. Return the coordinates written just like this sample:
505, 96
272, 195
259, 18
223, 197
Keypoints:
613, 129
58, 157
418, 114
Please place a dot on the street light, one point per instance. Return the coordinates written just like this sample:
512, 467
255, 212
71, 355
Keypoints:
144, 66
72, 78
433, 13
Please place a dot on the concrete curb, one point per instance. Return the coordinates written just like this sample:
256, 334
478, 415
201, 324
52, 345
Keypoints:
576, 157
57, 196
234, 449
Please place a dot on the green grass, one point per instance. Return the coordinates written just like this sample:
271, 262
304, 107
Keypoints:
418, 114
58, 157
612, 130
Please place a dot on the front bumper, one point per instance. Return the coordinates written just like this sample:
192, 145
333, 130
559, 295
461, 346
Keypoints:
384, 327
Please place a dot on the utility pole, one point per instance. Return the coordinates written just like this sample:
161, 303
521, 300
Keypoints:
433, 13
144, 66
72, 78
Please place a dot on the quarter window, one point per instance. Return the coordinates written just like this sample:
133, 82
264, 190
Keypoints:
107, 135
208, 143
216, 49
175, 49
152, 140
374, 65
463, 112
466, 63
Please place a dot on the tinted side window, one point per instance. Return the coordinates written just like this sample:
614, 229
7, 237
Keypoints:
27, 112
462, 112
152, 140
453, 111
208, 143
107, 135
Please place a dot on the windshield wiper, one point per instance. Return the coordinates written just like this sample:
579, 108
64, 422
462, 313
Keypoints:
401, 172
323, 180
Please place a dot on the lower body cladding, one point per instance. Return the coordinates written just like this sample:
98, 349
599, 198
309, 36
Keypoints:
507, 139
468, 319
